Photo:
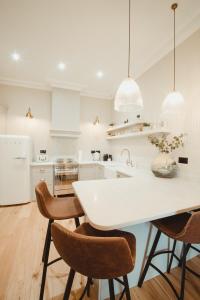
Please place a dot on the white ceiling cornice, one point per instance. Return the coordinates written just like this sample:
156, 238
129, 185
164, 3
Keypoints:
92, 94
66, 85
26, 84
54, 84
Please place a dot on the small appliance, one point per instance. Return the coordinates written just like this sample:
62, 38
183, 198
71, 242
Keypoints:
42, 157
107, 157
96, 155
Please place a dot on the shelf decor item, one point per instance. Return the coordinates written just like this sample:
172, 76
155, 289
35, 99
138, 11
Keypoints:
164, 165
128, 97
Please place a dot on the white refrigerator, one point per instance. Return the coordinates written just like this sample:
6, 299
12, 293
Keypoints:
15, 156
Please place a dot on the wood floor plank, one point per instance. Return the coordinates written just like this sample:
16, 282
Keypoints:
22, 235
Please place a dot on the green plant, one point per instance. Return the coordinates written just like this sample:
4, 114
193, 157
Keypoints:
167, 144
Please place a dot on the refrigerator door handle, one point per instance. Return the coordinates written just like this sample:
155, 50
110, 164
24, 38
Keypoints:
19, 157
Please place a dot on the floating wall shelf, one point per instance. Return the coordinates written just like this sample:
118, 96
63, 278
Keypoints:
122, 126
138, 134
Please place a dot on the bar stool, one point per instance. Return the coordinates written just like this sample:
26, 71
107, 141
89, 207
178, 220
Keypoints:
54, 209
96, 254
184, 228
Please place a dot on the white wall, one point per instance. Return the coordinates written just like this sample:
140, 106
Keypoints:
18, 99
155, 84
94, 136
3, 114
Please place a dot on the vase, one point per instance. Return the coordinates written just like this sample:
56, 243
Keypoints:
164, 166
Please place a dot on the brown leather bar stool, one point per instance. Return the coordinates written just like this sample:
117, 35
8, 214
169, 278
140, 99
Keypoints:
96, 254
184, 228
54, 209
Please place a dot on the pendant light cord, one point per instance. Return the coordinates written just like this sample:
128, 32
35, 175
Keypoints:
129, 38
174, 49
174, 7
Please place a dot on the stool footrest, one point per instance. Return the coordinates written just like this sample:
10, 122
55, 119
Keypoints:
166, 278
194, 248
54, 261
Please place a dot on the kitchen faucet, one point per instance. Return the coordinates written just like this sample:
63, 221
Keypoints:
128, 161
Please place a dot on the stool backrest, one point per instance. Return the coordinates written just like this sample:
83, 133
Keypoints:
94, 257
191, 231
43, 198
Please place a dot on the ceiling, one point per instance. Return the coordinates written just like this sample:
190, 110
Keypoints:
88, 36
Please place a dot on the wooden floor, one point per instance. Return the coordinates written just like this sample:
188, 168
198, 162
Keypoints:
22, 233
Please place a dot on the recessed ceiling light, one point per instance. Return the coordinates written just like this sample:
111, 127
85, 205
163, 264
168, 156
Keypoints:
99, 74
61, 66
16, 56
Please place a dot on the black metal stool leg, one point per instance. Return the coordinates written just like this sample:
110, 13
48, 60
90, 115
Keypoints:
180, 262
69, 284
45, 243
46, 257
127, 290
88, 287
171, 258
185, 251
155, 243
77, 222
111, 289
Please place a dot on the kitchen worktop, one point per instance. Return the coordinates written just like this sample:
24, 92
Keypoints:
117, 203
40, 163
113, 165
118, 167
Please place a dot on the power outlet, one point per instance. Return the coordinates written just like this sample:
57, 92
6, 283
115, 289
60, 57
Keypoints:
183, 160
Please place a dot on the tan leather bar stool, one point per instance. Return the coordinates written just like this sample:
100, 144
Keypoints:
96, 254
54, 209
184, 228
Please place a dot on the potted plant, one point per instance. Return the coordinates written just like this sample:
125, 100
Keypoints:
164, 165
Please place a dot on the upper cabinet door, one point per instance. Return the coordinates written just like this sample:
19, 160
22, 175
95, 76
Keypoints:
65, 110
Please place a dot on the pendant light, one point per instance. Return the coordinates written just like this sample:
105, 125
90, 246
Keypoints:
174, 102
128, 96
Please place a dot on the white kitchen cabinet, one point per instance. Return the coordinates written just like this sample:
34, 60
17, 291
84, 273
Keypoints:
41, 173
90, 172
110, 173
99, 172
87, 172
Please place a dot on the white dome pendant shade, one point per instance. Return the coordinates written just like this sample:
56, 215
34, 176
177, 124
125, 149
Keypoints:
174, 102
128, 97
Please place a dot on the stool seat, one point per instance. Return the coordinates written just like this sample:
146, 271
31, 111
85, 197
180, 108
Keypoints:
96, 254
54, 208
173, 226
86, 229
64, 208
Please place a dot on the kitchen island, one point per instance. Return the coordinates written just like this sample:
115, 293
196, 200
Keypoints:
130, 204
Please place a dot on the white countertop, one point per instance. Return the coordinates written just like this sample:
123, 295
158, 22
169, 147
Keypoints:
117, 203
40, 163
